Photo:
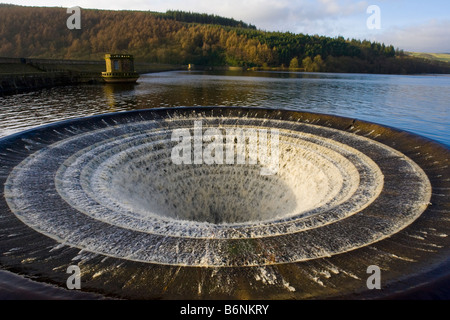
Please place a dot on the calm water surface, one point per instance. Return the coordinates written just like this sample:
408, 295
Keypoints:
419, 104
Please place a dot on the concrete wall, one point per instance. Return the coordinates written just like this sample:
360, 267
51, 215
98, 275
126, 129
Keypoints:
11, 84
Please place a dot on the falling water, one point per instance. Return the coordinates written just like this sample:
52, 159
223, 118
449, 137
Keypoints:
104, 193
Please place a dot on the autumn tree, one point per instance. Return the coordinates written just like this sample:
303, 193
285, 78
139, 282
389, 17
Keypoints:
178, 37
294, 63
307, 64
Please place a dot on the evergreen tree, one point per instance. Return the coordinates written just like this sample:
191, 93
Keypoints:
179, 37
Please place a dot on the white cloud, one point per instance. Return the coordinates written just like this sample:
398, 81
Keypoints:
432, 36
300, 16
306, 16
293, 15
323, 17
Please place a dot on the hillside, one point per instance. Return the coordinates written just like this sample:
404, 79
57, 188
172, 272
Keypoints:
177, 37
444, 57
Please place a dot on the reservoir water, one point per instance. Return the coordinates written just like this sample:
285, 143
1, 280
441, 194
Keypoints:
419, 104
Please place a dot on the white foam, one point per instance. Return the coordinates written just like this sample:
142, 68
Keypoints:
114, 191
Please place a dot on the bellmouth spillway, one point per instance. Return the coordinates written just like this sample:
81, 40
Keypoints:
104, 193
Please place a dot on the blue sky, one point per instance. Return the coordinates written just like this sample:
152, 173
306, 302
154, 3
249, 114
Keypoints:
411, 25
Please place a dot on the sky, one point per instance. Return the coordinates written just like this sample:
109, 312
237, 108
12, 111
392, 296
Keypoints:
411, 25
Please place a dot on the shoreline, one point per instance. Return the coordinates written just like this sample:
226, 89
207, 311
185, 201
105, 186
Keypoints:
19, 75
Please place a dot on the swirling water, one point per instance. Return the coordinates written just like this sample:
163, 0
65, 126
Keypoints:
418, 104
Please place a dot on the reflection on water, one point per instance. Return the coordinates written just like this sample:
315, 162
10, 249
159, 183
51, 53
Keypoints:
113, 90
415, 103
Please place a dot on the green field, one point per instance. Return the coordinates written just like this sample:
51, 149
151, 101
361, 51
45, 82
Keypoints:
445, 57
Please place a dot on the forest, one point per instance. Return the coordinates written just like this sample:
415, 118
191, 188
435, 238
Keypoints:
177, 37
204, 18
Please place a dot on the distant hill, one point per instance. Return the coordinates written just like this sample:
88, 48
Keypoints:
444, 57
177, 37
